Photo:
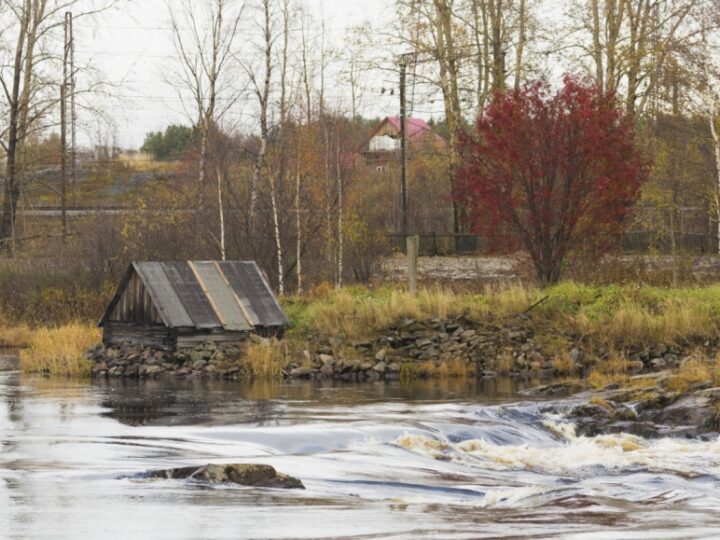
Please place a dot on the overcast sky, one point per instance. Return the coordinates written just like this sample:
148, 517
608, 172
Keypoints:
133, 49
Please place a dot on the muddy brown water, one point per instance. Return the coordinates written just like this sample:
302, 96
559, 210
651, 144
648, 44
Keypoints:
440, 459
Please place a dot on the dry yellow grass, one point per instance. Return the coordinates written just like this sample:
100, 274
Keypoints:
15, 336
615, 316
428, 369
265, 361
691, 372
614, 370
60, 351
600, 402
505, 362
355, 312
563, 364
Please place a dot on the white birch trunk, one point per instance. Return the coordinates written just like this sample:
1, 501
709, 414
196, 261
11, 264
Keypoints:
221, 216
340, 220
254, 179
716, 148
278, 243
298, 226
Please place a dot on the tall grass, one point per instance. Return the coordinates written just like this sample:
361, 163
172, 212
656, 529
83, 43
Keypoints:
266, 360
357, 312
15, 335
615, 316
60, 351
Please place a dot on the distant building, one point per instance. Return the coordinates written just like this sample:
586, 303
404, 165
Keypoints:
383, 146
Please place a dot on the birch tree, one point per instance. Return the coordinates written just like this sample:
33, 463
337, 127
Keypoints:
631, 42
461, 41
261, 88
204, 36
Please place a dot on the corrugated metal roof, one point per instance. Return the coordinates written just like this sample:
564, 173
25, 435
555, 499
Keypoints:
233, 295
249, 282
226, 303
163, 294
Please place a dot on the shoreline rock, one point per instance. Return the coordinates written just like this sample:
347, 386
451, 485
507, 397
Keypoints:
647, 411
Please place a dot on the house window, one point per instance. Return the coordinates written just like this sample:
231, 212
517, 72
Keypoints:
380, 168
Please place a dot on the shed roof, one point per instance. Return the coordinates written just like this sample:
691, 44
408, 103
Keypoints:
233, 295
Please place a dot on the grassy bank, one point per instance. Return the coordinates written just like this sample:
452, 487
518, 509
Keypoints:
60, 351
615, 317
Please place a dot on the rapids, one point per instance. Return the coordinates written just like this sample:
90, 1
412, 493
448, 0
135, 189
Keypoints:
456, 459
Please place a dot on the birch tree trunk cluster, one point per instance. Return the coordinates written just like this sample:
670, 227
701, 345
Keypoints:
283, 188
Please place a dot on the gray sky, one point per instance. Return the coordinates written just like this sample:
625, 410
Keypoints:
133, 49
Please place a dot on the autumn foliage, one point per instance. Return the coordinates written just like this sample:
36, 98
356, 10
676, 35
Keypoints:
550, 172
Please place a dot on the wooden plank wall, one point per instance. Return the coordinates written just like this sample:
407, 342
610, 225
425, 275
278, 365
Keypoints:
136, 305
116, 333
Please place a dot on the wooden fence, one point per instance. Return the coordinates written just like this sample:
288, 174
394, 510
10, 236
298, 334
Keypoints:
433, 245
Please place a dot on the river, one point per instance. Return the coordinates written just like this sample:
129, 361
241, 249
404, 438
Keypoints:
451, 459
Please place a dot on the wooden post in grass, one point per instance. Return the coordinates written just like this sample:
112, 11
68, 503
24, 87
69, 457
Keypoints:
413, 249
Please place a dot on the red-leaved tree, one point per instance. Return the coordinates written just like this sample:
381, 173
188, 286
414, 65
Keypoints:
550, 172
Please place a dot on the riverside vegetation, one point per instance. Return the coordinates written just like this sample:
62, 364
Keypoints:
604, 334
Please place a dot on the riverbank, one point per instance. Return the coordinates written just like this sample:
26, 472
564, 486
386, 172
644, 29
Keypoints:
599, 334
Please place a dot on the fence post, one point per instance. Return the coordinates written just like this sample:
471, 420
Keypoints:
413, 248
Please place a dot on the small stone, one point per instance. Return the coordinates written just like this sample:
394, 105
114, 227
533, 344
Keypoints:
259, 340
467, 334
326, 359
381, 355
422, 343
198, 364
394, 367
301, 372
658, 364
380, 367
151, 371
327, 371
636, 366
100, 366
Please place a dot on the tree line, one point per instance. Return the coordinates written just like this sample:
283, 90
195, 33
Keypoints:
272, 165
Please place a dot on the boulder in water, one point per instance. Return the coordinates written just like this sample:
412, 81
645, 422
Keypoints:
244, 474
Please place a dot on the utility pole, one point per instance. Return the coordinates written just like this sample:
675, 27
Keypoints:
73, 111
403, 142
63, 128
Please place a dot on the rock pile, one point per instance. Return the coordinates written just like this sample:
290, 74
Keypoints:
457, 346
644, 408
426, 348
140, 361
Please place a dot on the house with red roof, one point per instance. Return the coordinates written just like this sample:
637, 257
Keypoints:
383, 146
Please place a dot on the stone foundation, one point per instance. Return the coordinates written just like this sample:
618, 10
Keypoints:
411, 349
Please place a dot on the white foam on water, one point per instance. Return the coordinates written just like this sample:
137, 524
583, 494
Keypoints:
574, 454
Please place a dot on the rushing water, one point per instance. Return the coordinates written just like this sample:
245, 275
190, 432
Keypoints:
443, 460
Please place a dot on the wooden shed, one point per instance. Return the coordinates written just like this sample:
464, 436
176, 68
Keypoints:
176, 305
